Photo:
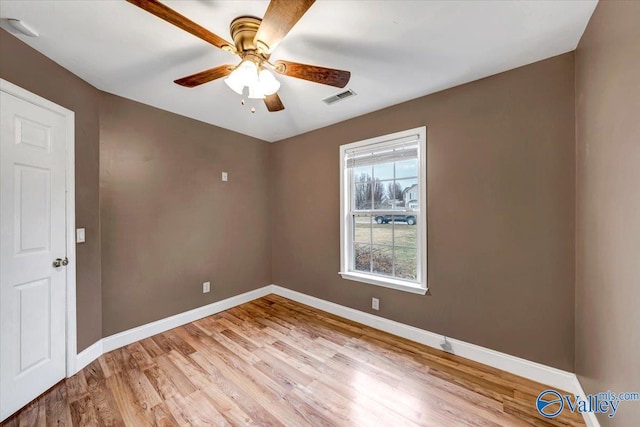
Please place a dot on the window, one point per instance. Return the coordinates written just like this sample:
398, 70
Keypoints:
383, 225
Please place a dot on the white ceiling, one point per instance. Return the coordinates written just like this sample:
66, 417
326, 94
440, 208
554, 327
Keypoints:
395, 50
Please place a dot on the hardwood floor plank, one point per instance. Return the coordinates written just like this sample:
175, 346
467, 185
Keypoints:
263, 391
243, 399
198, 411
103, 401
57, 411
83, 413
140, 355
29, 417
145, 394
109, 364
274, 362
77, 387
177, 377
151, 347
133, 412
281, 372
161, 383
162, 416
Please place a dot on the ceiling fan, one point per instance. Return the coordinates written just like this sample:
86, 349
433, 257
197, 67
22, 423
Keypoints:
254, 40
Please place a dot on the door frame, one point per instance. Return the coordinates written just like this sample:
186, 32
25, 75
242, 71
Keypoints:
70, 214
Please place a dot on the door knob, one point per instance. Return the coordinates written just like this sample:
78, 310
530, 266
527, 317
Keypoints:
59, 262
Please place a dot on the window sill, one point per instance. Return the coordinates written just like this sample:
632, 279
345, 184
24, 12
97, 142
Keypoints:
400, 285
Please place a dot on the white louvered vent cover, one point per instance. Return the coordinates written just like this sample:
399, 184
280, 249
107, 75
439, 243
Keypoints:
339, 97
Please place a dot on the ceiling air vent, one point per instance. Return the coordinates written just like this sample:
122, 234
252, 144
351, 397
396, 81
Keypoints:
339, 97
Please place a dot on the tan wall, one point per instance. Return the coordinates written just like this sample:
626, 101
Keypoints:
27, 68
608, 205
168, 221
501, 212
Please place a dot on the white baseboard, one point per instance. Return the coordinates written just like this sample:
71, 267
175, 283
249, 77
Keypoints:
88, 355
553, 377
129, 336
535, 371
144, 331
556, 378
590, 418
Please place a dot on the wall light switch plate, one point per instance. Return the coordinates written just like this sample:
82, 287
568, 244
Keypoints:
225, 176
80, 235
206, 287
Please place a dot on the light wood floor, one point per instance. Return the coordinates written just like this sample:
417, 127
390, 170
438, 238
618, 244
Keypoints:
276, 362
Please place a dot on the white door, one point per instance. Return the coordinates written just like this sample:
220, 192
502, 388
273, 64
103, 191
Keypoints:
32, 217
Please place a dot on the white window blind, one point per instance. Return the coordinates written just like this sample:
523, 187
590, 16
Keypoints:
385, 152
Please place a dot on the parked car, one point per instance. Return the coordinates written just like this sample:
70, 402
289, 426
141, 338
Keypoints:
386, 219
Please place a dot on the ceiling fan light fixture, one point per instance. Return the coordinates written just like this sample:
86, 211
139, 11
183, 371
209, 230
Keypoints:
245, 74
260, 84
268, 82
254, 39
256, 92
235, 83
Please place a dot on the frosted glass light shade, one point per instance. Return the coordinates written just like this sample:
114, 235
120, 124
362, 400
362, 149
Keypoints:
268, 83
256, 92
245, 74
235, 83
260, 84
248, 72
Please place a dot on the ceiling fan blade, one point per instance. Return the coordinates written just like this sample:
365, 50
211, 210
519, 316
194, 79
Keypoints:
166, 13
273, 103
279, 19
205, 76
325, 76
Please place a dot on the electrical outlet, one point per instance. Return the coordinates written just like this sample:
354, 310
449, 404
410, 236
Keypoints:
206, 287
225, 176
375, 303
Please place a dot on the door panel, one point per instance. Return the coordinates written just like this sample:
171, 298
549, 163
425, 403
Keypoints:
32, 211
33, 225
32, 313
35, 135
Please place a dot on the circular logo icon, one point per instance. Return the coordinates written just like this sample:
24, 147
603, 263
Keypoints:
549, 403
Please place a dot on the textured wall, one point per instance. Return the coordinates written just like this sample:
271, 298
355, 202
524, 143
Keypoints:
501, 157
168, 221
608, 205
27, 68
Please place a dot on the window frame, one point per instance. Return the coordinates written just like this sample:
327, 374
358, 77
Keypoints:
420, 286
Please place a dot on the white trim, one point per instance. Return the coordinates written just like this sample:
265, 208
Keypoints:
386, 282
129, 336
547, 375
346, 245
88, 355
535, 371
71, 332
556, 378
72, 337
590, 418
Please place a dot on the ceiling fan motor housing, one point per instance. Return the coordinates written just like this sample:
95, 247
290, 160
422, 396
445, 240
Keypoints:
243, 31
